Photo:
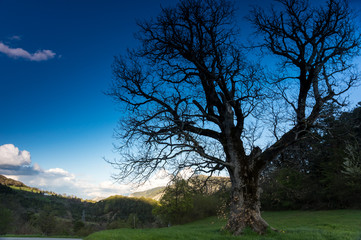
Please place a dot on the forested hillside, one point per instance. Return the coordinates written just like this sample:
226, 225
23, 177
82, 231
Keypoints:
154, 193
11, 182
323, 171
26, 210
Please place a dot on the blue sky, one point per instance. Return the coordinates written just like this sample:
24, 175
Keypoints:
54, 107
55, 59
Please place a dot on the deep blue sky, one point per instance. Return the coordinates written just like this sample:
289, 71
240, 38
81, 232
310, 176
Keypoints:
61, 98
55, 109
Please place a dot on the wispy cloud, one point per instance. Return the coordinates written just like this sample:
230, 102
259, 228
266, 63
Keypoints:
15, 37
40, 55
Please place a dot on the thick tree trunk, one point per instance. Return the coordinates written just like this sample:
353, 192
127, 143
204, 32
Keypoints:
245, 206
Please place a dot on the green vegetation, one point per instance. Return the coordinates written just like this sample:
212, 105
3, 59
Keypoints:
29, 211
323, 171
187, 201
5, 220
154, 193
38, 213
292, 225
117, 210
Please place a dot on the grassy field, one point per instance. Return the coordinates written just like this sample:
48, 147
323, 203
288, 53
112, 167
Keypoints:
293, 225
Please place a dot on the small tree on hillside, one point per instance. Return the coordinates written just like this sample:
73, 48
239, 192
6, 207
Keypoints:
176, 203
190, 97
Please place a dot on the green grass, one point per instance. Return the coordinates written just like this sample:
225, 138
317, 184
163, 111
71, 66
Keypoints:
293, 225
27, 189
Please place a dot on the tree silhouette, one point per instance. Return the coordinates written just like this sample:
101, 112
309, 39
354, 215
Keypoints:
191, 99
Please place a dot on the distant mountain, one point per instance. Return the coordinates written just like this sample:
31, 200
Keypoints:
154, 193
201, 183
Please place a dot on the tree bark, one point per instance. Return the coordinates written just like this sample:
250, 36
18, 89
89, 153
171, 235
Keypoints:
245, 205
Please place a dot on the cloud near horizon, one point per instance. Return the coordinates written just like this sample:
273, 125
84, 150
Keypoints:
16, 164
40, 55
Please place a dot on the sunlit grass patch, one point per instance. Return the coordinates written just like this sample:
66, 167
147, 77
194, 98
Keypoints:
292, 225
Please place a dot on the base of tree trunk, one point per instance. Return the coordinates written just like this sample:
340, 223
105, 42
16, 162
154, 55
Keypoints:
237, 222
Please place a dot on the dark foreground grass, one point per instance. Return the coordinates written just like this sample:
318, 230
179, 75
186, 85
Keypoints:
293, 225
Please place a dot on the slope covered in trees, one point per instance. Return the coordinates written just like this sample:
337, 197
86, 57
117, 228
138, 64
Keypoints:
154, 193
11, 182
322, 171
26, 210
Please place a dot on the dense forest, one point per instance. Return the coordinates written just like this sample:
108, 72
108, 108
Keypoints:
321, 172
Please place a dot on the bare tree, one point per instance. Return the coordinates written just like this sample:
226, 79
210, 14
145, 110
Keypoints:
187, 93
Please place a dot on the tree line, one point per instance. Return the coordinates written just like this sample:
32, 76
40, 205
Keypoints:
27, 212
322, 171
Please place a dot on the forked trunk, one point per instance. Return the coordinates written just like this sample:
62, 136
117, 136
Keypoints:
245, 206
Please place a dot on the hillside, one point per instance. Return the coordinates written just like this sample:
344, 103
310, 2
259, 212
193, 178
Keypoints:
27, 210
11, 182
14, 184
154, 193
201, 183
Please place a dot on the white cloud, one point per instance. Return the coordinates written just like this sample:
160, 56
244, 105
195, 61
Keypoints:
12, 156
159, 179
36, 167
106, 189
17, 164
56, 179
57, 172
40, 55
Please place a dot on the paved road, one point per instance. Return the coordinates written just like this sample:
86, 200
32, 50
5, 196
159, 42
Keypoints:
18, 238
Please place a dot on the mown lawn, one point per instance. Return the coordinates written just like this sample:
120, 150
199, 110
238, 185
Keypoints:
293, 225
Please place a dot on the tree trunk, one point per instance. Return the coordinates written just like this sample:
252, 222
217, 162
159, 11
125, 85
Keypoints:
245, 205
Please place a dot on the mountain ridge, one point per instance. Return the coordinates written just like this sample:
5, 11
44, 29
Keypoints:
11, 182
153, 193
